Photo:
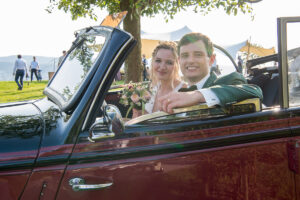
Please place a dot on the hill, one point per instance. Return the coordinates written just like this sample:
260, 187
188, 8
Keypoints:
7, 65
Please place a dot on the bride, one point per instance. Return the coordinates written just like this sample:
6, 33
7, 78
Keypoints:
164, 74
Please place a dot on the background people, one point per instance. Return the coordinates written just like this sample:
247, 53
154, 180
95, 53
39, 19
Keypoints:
164, 74
20, 69
61, 58
34, 66
196, 57
144, 62
240, 64
118, 76
39, 73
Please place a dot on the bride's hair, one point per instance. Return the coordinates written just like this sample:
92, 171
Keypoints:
172, 46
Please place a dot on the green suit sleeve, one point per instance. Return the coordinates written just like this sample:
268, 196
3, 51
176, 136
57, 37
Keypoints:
233, 88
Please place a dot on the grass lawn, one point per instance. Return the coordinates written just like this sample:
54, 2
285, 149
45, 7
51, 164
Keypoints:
31, 90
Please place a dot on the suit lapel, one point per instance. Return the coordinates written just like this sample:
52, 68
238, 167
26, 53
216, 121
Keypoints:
209, 82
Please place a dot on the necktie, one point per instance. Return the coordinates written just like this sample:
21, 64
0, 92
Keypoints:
191, 88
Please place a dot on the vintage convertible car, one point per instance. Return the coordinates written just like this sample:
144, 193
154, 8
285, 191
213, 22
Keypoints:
74, 144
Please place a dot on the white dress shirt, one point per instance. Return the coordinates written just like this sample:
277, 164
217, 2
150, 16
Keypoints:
20, 64
34, 65
209, 96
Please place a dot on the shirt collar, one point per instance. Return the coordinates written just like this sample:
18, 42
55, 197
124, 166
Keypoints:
202, 81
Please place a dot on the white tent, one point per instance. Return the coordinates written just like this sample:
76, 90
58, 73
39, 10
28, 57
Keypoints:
151, 40
170, 36
234, 48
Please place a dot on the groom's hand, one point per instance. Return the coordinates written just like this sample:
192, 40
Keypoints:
179, 100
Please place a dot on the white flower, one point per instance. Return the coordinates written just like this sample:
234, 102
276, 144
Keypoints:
147, 95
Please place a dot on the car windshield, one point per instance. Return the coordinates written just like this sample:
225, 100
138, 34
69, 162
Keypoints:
119, 95
223, 63
78, 64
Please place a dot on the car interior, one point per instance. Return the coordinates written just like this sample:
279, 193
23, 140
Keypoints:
264, 73
261, 71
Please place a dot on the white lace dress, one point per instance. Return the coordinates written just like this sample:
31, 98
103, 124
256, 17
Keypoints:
149, 106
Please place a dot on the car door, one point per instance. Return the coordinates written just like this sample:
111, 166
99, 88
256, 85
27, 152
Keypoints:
21, 130
67, 102
223, 157
289, 55
191, 155
53, 153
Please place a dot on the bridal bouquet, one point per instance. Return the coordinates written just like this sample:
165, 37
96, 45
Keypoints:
135, 95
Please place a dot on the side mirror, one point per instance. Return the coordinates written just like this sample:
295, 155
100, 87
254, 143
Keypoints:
114, 119
109, 126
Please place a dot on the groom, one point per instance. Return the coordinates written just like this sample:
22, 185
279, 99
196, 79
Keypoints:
196, 57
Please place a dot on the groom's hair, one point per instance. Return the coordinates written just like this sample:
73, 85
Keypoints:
194, 37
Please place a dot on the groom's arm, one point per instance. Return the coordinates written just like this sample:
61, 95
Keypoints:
185, 99
210, 97
180, 99
228, 89
225, 93
234, 88
234, 93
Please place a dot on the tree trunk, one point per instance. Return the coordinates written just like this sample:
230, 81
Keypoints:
133, 65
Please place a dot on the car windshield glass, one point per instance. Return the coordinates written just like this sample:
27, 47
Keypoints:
222, 63
293, 55
77, 66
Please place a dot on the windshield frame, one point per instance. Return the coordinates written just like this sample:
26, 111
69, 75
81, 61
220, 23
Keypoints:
57, 97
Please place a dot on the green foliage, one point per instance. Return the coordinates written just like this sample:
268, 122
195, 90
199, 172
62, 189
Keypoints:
138, 8
31, 90
83, 8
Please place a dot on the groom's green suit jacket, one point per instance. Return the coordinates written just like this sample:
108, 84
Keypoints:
232, 88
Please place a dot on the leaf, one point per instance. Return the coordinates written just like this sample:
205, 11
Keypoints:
143, 108
235, 11
169, 8
129, 109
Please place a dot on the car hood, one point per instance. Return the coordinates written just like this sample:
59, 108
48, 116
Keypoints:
20, 125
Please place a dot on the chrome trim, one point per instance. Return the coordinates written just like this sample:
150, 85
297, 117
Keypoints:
104, 79
78, 184
228, 55
53, 94
283, 68
97, 136
84, 187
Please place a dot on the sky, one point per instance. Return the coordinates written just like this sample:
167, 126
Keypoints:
27, 29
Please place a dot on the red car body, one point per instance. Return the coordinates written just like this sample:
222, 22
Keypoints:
46, 151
